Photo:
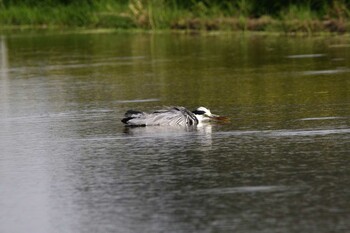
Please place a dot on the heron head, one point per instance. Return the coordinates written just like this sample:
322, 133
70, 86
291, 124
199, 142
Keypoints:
204, 114
202, 111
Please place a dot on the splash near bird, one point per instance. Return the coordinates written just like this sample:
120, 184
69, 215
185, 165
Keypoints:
172, 116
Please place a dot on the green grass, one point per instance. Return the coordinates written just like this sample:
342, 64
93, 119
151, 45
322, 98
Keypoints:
105, 16
300, 19
44, 16
169, 14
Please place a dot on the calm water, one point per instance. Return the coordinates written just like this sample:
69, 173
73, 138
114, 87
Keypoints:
67, 164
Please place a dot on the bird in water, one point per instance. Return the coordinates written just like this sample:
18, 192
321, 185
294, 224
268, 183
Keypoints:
172, 116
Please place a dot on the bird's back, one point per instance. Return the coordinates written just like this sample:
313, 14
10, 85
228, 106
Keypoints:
174, 116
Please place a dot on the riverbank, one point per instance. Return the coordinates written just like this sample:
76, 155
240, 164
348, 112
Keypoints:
159, 15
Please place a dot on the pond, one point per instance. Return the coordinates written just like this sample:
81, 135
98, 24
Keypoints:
68, 164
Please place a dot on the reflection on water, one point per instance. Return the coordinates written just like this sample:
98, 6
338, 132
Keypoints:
137, 101
199, 137
322, 118
299, 132
306, 55
244, 189
3, 73
325, 72
67, 163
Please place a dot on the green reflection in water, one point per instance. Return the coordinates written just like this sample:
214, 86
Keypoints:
237, 75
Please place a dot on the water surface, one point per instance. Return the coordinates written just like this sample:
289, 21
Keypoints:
67, 164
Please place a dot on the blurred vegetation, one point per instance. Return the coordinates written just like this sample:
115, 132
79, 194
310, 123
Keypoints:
290, 16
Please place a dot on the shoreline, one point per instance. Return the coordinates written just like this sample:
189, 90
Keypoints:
142, 15
8, 29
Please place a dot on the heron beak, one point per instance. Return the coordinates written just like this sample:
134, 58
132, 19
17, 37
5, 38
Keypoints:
219, 118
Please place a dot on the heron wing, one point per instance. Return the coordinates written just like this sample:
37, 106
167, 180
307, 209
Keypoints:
173, 116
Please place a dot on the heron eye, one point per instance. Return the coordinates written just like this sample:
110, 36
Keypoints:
199, 112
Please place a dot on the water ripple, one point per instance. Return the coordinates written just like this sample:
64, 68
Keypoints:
285, 133
306, 55
321, 118
243, 189
308, 132
325, 72
138, 100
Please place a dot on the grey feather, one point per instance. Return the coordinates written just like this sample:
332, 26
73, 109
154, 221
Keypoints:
173, 116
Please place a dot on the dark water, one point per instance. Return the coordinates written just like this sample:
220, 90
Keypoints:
67, 164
